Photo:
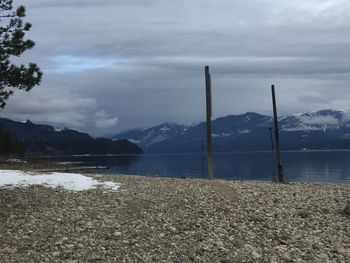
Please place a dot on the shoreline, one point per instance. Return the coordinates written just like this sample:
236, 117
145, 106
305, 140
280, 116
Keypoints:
318, 175
49, 167
156, 219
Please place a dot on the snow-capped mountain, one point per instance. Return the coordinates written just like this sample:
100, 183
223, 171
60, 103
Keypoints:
154, 135
315, 121
324, 129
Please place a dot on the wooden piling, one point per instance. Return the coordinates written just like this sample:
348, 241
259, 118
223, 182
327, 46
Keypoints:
209, 115
277, 140
274, 179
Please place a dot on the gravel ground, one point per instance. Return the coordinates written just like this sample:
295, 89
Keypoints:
177, 220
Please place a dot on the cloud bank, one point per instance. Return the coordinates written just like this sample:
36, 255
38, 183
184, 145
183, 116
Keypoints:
143, 61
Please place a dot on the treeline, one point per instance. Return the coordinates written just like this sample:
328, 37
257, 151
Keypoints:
9, 144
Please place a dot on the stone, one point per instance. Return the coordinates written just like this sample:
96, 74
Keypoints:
69, 246
178, 237
303, 214
89, 225
172, 229
212, 225
256, 255
323, 258
286, 257
117, 234
219, 243
237, 243
347, 209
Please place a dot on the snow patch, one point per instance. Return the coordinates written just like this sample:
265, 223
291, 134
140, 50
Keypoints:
319, 120
65, 163
226, 134
14, 160
304, 128
309, 122
159, 138
164, 129
69, 181
244, 131
134, 141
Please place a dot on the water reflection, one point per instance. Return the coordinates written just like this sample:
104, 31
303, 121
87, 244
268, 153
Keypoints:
321, 166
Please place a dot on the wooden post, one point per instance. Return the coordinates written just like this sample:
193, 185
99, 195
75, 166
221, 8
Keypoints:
277, 140
274, 179
209, 115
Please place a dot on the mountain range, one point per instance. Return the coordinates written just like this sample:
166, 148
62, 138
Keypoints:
47, 140
324, 129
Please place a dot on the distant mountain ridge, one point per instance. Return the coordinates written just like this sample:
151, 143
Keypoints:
324, 129
155, 134
47, 140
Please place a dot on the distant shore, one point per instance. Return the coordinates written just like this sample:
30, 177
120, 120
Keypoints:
175, 220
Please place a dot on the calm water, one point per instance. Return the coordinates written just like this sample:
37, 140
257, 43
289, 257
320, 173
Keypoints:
318, 166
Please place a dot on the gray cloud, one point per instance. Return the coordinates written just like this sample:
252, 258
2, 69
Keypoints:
143, 60
102, 120
51, 106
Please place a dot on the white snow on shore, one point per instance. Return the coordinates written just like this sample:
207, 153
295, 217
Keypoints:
69, 181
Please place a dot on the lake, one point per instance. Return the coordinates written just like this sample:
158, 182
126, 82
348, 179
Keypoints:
306, 166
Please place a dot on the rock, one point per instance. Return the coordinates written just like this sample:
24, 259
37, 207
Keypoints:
171, 220
237, 243
347, 209
286, 257
248, 247
89, 225
303, 214
232, 238
256, 255
197, 259
117, 234
323, 258
219, 243
172, 229
205, 247
69, 246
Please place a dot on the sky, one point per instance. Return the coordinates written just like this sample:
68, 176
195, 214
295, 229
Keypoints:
113, 65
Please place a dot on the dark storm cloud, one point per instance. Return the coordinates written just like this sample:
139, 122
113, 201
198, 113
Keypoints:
112, 65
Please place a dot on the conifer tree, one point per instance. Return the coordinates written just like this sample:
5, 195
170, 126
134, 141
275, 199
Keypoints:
13, 44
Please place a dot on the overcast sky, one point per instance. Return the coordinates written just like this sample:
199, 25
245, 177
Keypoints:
111, 65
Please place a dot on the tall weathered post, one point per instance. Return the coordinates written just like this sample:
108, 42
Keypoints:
274, 179
209, 115
277, 139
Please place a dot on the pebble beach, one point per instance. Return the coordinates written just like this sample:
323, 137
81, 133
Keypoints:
176, 220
